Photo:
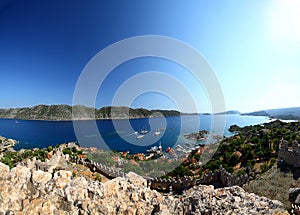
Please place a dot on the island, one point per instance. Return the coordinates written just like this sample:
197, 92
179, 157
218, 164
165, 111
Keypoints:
80, 112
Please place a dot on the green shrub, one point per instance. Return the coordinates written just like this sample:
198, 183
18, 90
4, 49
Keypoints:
50, 148
272, 161
228, 168
7, 161
251, 163
67, 151
241, 172
264, 167
98, 178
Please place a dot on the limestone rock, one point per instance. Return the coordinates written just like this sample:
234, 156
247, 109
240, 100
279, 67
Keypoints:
40, 178
136, 180
27, 191
62, 178
4, 170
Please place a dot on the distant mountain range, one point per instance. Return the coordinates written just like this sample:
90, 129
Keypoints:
280, 113
79, 112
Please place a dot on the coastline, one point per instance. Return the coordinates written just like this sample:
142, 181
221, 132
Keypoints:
92, 119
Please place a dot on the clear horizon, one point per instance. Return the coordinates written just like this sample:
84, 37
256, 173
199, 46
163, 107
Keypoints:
253, 48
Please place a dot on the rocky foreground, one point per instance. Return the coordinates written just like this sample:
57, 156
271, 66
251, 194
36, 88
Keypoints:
29, 191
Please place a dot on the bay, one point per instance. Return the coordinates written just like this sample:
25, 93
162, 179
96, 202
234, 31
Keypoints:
40, 134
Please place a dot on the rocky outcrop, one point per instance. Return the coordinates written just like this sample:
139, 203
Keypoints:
30, 191
289, 155
294, 195
6, 144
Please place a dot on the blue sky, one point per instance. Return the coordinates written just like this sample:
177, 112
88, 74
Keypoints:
252, 46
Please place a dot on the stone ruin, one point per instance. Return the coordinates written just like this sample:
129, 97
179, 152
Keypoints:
220, 178
289, 155
97, 167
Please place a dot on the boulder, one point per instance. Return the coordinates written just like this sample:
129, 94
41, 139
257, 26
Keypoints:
40, 178
136, 180
293, 194
62, 178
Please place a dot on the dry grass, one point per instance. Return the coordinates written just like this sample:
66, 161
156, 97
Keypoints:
274, 184
81, 170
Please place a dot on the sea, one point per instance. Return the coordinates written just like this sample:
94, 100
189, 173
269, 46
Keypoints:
120, 134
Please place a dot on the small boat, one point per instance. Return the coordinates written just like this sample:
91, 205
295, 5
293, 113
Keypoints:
144, 131
152, 149
155, 148
179, 147
156, 133
139, 136
17, 122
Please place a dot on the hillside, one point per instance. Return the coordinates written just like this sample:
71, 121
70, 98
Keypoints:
78, 112
280, 113
229, 112
54, 186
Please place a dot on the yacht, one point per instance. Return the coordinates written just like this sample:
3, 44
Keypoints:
156, 133
144, 131
139, 136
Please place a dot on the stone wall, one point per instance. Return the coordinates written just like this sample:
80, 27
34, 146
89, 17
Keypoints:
97, 167
220, 176
289, 155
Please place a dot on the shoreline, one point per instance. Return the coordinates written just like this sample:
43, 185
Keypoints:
96, 119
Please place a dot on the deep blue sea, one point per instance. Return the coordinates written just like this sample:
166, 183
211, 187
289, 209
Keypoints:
115, 134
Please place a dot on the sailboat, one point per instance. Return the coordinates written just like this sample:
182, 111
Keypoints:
139, 136
144, 131
156, 133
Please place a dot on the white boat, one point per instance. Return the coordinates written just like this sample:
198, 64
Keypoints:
144, 131
156, 133
155, 148
139, 136
152, 149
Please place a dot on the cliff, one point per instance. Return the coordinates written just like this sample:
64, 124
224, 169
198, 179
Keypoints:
79, 112
27, 190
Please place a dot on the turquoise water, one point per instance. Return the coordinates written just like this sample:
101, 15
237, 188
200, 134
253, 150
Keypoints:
120, 137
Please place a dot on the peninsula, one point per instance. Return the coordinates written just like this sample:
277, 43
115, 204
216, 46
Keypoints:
80, 112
